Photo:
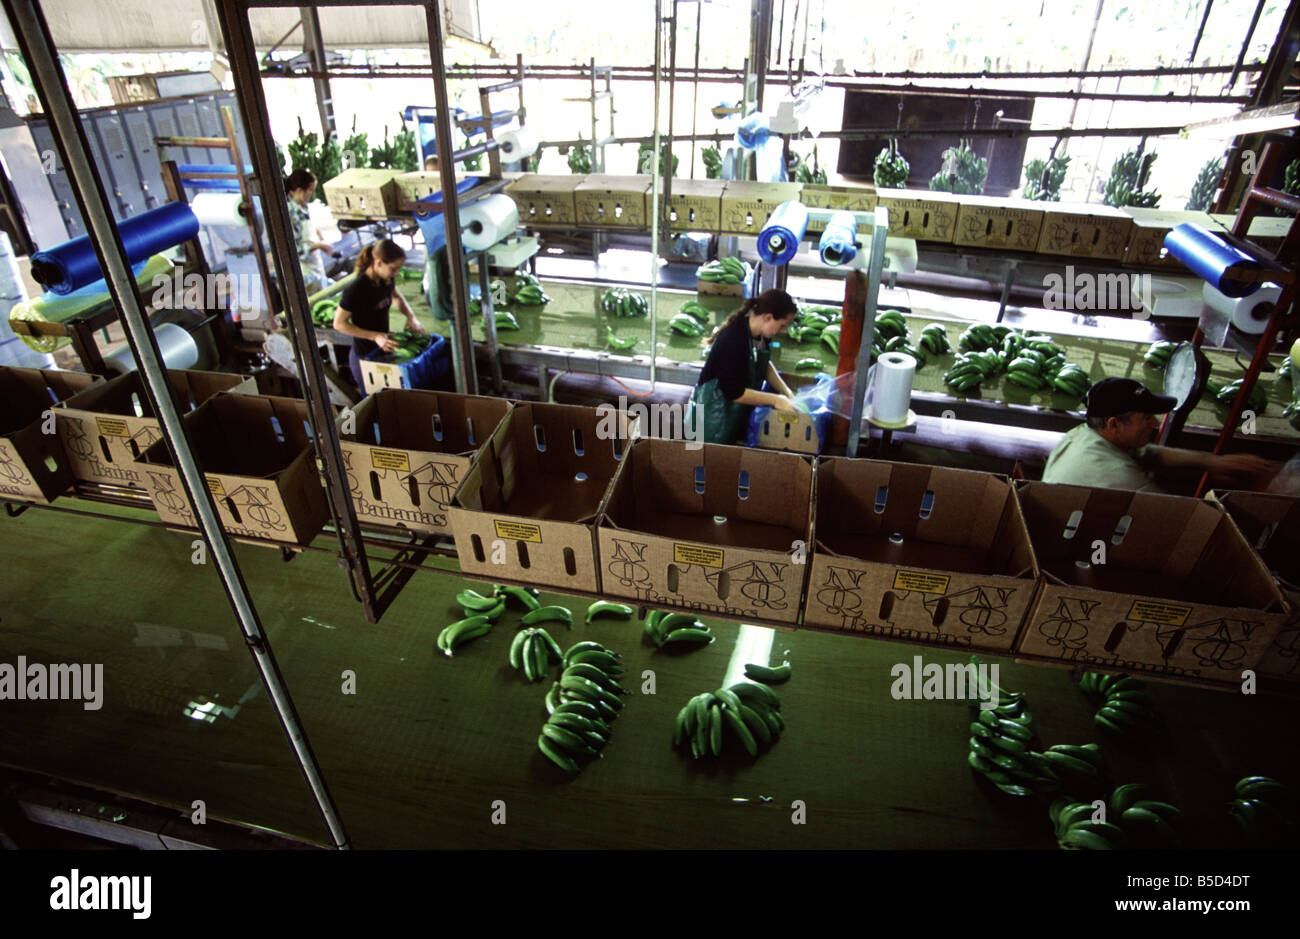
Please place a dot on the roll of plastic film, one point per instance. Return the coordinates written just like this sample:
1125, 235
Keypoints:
489, 221
1249, 314
891, 391
71, 265
176, 345
778, 242
838, 244
1210, 257
217, 208
211, 168
518, 144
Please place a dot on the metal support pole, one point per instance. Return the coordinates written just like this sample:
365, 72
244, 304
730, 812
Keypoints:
1008, 281
461, 336
314, 46
489, 321
874, 269
760, 45
39, 53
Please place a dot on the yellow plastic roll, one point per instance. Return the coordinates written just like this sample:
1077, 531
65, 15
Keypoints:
61, 309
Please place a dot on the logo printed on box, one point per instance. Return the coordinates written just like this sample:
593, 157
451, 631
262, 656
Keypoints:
215, 487
1164, 614
112, 427
697, 554
518, 531
921, 581
390, 460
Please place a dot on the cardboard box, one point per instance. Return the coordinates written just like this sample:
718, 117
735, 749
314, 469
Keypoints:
409, 451
848, 198
1266, 231
33, 466
613, 201
411, 187
113, 423
258, 458
963, 574
988, 222
712, 288
1150, 226
795, 432
1270, 523
711, 529
696, 204
528, 507
746, 205
545, 200
1181, 595
430, 370
363, 193
925, 216
1085, 231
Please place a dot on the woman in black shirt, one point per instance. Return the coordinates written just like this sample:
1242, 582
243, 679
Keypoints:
739, 361
365, 304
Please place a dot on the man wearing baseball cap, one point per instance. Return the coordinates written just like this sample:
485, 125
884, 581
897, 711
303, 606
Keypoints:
1113, 449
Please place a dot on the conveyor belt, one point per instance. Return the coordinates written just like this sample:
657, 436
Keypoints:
574, 320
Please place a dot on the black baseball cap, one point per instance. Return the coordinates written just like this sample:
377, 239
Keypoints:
1112, 397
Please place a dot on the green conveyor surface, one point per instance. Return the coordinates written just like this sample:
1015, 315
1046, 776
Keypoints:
417, 756
573, 320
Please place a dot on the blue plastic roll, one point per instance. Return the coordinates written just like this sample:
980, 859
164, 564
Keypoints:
779, 240
218, 185
210, 168
66, 267
753, 131
838, 244
1212, 259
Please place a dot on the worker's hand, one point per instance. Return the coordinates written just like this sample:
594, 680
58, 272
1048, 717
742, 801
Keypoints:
385, 342
1243, 468
782, 403
415, 325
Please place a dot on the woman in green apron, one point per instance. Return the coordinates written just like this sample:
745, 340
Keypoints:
738, 362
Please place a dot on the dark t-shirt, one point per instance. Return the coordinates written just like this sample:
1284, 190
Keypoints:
729, 358
368, 301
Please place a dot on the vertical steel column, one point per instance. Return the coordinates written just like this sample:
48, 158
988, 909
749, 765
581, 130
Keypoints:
315, 47
874, 268
38, 52
461, 337
238, 37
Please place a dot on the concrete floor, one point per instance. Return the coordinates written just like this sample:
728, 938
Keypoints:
418, 755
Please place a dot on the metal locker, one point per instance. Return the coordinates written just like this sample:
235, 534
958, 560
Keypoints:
119, 165
59, 184
140, 135
187, 125
101, 165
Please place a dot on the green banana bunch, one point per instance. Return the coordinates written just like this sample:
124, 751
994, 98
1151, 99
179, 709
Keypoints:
410, 344
322, 311
474, 604
1123, 707
1072, 380
1228, 393
581, 705
686, 325
606, 608
530, 295
620, 301
676, 628
1001, 744
1026, 370
809, 363
712, 157
525, 279
533, 652
1158, 355
890, 170
966, 373
830, 336
723, 271
505, 319
1266, 812
750, 712
892, 323
461, 632
934, 340
696, 309
1078, 769
1148, 822
622, 343
1076, 830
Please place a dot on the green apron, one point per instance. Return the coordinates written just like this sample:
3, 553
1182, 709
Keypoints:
719, 420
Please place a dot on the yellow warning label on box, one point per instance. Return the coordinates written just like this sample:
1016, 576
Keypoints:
112, 427
1163, 614
696, 554
215, 487
787, 418
922, 581
387, 369
390, 460
518, 531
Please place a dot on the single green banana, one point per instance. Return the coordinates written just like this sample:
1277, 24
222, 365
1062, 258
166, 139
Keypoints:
463, 631
585, 646
757, 726
689, 636
594, 674
772, 676
568, 739
556, 755
741, 730
606, 608
752, 692
474, 602
553, 698
516, 648
1127, 795
548, 614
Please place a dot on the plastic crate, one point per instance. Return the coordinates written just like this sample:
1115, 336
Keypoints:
431, 369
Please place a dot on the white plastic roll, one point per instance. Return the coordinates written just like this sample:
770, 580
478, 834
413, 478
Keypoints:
891, 391
518, 144
217, 208
489, 221
174, 342
1249, 314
